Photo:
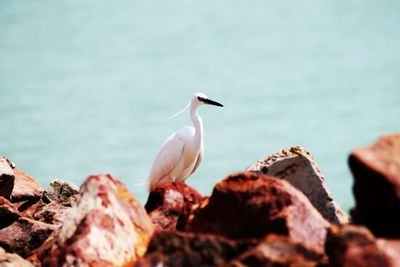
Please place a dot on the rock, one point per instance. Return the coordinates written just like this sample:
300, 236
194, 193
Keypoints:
169, 205
54, 205
298, 167
171, 248
376, 172
30, 210
26, 188
8, 213
6, 178
106, 227
64, 193
37, 256
280, 251
12, 260
251, 205
24, 235
52, 213
354, 246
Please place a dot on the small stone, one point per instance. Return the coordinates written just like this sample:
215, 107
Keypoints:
52, 213
6, 178
62, 192
26, 188
8, 213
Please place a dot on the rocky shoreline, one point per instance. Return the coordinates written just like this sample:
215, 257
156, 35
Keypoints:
278, 212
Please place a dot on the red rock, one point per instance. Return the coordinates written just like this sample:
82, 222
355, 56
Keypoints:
354, 246
61, 192
25, 188
376, 171
250, 205
12, 260
280, 251
106, 227
8, 213
30, 210
24, 235
6, 178
52, 213
298, 167
169, 205
178, 249
37, 255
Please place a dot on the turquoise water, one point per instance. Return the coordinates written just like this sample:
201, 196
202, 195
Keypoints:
85, 85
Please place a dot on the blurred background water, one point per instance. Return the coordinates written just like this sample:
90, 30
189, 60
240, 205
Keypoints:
85, 85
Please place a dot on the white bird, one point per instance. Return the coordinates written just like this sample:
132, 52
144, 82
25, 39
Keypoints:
182, 152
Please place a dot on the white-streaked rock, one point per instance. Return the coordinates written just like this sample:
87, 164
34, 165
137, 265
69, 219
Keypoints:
106, 227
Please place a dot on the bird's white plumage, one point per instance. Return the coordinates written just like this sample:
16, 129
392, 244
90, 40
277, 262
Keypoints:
182, 152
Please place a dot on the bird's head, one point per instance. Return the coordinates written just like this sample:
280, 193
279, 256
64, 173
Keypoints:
202, 99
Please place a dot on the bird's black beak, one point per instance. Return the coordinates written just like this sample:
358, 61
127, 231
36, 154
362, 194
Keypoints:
212, 102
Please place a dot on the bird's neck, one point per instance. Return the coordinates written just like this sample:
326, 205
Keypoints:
197, 122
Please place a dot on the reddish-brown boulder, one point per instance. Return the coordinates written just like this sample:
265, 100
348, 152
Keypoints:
250, 205
376, 171
355, 246
169, 205
8, 213
6, 178
178, 249
12, 260
298, 167
280, 251
25, 188
106, 227
24, 235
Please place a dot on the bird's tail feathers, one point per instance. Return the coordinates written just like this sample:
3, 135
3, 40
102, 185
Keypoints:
176, 114
141, 183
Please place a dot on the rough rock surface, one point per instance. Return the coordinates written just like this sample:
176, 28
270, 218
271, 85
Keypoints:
376, 171
251, 205
54, 205
12, 260
52, 213
168, 248
169, 205
24, 235
354, 246
280, 251
25, 188
6, 178
64, 193
8, 213
298, 167
106, 227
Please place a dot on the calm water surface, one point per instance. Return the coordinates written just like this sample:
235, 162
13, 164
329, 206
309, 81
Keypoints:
85, 86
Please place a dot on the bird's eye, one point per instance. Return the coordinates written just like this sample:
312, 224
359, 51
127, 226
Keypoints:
201, 99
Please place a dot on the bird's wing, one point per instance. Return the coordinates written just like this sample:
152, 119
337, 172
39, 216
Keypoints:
167, 158
198, 161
